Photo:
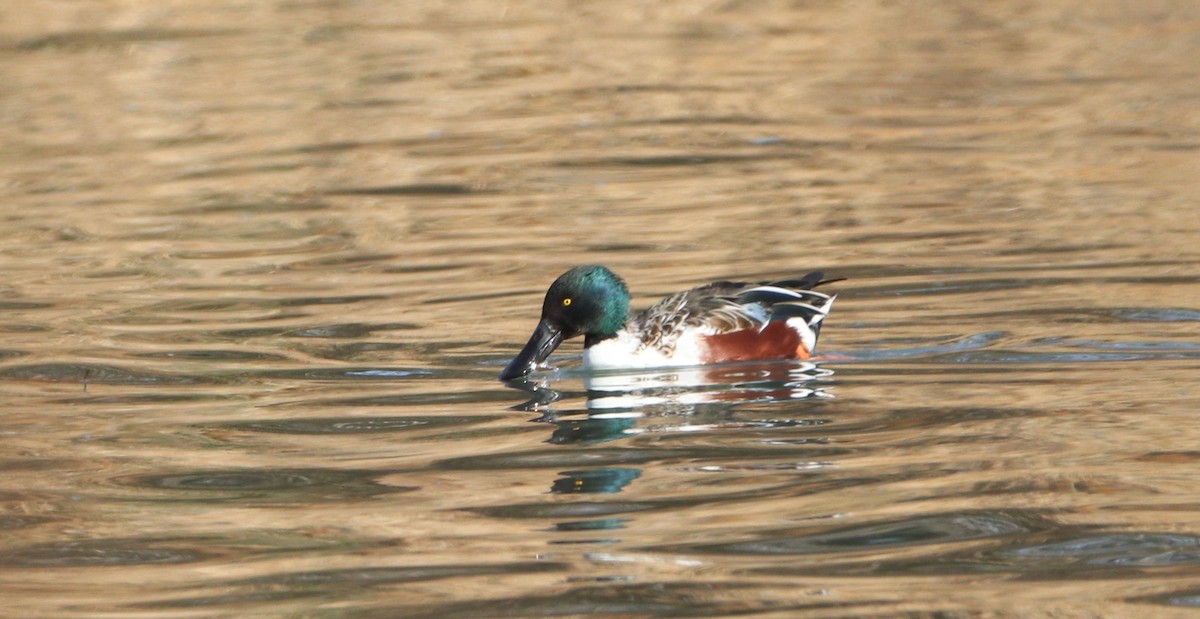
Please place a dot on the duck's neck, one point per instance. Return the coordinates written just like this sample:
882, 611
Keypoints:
591, 339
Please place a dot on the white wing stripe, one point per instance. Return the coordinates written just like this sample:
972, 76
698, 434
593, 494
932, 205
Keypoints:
778, 290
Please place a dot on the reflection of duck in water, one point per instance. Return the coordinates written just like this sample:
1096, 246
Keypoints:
717, 323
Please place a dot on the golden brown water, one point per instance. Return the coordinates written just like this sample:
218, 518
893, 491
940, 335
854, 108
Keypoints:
262, 261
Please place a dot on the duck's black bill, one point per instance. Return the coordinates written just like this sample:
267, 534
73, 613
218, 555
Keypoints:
544, 340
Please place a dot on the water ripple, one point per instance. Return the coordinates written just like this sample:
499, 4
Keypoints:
1113, 550
351, 425
95, 373
266, 486
104, 553
384, 575
925, 530
1152, 314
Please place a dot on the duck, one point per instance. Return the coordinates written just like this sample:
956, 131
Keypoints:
720, 322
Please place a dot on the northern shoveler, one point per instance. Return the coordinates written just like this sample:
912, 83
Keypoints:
717, 323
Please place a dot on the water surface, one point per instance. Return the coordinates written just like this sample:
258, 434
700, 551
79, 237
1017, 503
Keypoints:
263, 261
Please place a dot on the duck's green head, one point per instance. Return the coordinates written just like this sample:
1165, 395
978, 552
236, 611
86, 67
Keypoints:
588, 300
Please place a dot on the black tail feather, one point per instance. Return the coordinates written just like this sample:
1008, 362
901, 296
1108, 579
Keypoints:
812, 280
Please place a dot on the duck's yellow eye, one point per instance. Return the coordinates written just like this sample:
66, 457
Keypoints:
567, 302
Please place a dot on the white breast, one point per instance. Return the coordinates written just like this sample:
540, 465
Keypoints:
627, 351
